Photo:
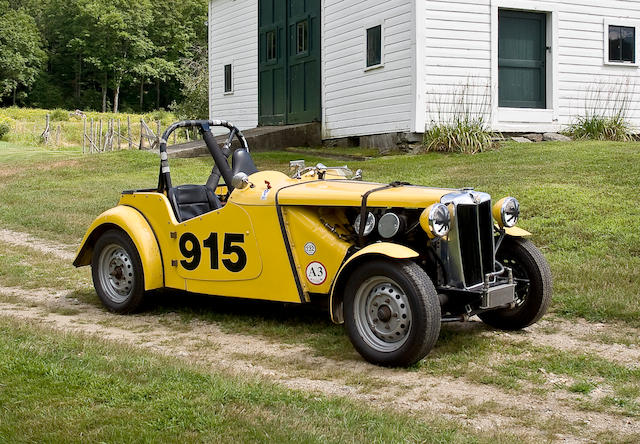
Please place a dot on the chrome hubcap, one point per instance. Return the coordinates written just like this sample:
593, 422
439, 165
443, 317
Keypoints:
116, 272
382, 314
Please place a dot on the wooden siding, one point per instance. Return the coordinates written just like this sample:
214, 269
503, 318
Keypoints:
359, 102
233, 39
457, 36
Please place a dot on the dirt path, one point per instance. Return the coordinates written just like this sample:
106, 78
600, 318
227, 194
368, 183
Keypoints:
550, 415
64, 252
296, 367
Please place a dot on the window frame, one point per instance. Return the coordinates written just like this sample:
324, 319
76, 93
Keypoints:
224, 78
366, 48
626, 24
305, 51
273, 32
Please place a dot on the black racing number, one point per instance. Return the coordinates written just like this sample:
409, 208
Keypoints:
212, 244
229, 248
190, 249
192, 253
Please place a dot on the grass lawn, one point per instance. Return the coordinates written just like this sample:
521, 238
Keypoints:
577, 199
67, 388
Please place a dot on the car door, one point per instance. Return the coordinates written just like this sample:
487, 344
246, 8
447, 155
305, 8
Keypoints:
218, 246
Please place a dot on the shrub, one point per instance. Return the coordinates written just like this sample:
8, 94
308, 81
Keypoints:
606, 108
460, 125
59, 115
5, 126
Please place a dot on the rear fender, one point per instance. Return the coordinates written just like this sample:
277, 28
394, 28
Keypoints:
132, 222
382, 249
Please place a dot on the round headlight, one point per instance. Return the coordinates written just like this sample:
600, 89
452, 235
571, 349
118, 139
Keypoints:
389, 225
509, 212
368, 227
436, 220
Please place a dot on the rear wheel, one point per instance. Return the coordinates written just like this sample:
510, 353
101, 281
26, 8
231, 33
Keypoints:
533, 285
117, 272
392, 312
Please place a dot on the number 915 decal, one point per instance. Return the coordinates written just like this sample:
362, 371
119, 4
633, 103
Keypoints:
192, 251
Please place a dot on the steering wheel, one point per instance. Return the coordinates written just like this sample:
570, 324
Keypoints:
220, 155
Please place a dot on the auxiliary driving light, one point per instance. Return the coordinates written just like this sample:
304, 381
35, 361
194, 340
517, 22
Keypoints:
369, 225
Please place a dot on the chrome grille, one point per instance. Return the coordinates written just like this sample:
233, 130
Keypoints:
469, 238
468, 253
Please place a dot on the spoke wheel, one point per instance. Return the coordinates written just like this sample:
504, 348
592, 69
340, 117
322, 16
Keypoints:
532, 276
392, 312
117, 272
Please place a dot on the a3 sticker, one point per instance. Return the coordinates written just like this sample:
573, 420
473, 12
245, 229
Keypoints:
310, 248
316, 273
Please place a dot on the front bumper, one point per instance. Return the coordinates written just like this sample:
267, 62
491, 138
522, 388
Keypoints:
497, 291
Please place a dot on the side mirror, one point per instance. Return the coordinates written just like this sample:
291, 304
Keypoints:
240, 181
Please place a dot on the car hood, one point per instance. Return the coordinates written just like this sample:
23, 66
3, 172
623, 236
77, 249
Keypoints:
348, 193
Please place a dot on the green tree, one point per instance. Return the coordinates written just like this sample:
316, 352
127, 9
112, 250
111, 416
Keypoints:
118, 41
21, 53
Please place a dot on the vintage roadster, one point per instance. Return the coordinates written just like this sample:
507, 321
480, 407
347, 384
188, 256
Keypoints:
392, 261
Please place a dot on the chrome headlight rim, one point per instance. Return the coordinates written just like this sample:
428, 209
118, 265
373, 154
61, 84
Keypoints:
510, 212
439, 220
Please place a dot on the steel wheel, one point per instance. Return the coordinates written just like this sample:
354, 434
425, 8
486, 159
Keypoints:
117, 276
391, 312
117, 272
383, 314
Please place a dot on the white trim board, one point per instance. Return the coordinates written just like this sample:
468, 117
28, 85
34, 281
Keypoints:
551, 9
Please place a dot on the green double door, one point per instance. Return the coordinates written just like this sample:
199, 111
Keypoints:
288, 61
522, 55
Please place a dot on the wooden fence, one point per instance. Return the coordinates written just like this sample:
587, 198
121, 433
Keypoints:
107, 135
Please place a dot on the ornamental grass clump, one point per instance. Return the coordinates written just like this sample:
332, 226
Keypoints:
605, 115
459, 121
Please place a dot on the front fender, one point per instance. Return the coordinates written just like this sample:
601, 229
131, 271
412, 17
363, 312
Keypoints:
132, 222
385, 249
517, 232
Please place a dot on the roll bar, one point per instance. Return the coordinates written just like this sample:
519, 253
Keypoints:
219, 155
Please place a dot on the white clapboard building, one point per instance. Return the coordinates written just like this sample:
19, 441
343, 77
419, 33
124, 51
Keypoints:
394, 66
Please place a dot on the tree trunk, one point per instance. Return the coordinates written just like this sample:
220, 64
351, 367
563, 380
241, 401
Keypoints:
116, 98
157, 93
104, 94
142, 95
15, 91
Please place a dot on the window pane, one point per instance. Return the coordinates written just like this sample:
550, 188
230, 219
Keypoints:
374, 45
227, 78
628, 37
615, 48
302, 37
271, 45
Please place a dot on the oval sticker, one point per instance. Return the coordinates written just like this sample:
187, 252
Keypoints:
316, 273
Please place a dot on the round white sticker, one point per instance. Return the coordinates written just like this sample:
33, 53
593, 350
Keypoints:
316, 273
310, 248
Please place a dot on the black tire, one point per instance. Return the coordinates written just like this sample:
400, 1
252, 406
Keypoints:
117, 272
407, 329
533, 285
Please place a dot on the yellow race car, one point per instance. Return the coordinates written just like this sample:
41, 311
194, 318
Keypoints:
392, 261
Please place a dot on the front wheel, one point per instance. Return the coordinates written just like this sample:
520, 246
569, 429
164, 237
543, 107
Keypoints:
392, 312
117, 272
533, 285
